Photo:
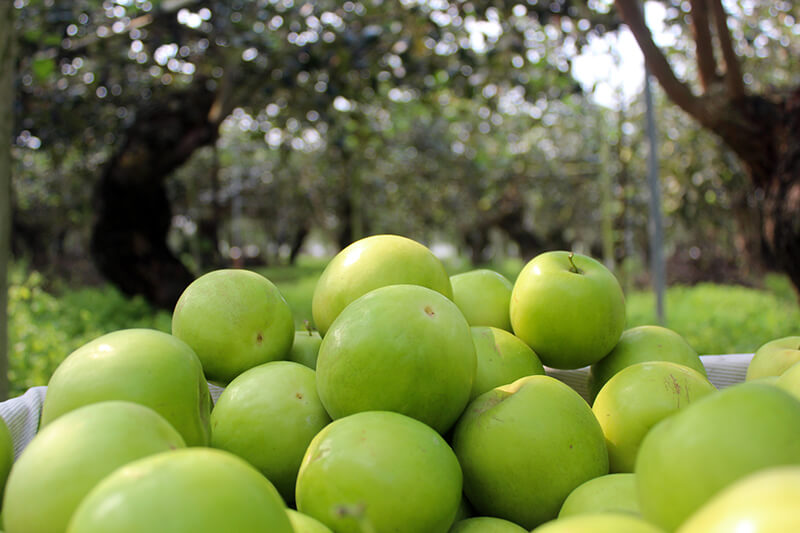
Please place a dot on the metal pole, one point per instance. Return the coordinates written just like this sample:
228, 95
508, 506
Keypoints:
655, 226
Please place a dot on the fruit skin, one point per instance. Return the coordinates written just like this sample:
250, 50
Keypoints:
486, 524
305, 348
690, 456
68, 457
774, 358
502, 359
637, 398
268, 416
6, 454
402, 348
194, 490
483, 296
525, 446
640, 344
612, 493
763, 502
380, 470
305, 524
599, 523
234, 320
143, 366
570, 319
370, 263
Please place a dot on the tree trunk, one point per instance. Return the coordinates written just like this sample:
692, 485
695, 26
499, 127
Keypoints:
129, 243
7, 76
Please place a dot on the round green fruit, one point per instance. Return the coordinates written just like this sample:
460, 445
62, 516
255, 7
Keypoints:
641, 344
774, 358
486, 524
6, 454
382, 472
502, 359
599, 523
637, 398
194, 490
763, 502
612, 493
690, 456
268, 415
305, 348
143, 366
234, 320
525, 446
370, 263
483, 296
402, 348
568, 307
70, 456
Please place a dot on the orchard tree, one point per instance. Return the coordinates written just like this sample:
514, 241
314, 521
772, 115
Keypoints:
760, 122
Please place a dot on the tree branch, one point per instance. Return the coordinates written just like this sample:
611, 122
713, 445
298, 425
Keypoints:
706, 63
657, 63
733, 71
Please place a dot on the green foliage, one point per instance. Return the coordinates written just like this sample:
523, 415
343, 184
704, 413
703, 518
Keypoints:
719, 319
45, 327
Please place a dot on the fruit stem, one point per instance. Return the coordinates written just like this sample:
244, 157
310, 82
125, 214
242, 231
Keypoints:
308, 327
574, 267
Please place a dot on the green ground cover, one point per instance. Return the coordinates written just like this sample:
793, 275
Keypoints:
47, 324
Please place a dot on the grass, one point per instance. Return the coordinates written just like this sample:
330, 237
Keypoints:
45, 326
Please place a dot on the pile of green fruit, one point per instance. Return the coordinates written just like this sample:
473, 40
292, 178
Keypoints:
420, 404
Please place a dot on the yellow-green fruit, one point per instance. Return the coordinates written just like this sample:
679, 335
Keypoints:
486, 524
774, 358
6, 454
381, 472
612, 493
599, 523
637, 398
763, 502
690, 456
234, 320
502, 359
268, 416
483, 296
68, 457
305, 524
194, 490
305, 348
525, 446
143, 366
370, 263
641, 344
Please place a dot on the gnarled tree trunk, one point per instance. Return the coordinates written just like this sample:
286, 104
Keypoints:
129, 243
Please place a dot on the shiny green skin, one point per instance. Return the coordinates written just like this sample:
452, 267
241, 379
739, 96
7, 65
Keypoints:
637, 398
524, 447
789, 380
599, 523
370, 263
690, 456
402, 348
234, 320
483, 296
194, 490
486, 524
641, 344
268, 416
305, 348
774, 358
68, 457
382, 472
502, 359
570, 319
305, 524
6, 455
143, 366
612, 493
